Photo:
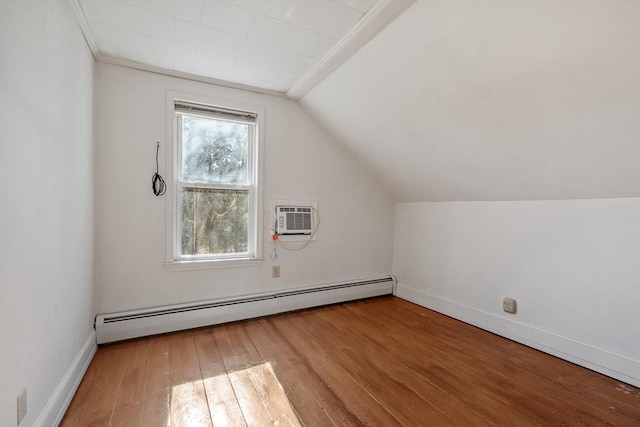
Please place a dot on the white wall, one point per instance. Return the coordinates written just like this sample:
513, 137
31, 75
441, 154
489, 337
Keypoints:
494, 100
355, 239
46, 204
572, 266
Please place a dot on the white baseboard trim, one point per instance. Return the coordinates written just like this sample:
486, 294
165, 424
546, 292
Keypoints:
59, 401
606, 362
158, 320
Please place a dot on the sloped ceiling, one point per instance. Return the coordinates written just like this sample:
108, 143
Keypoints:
494, 100
274, 46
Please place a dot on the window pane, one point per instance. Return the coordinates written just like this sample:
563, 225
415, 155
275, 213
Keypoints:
214, 151
214, 221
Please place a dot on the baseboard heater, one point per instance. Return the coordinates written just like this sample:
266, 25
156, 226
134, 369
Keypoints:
138, 323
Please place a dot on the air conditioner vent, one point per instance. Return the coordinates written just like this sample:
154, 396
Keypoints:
294, 220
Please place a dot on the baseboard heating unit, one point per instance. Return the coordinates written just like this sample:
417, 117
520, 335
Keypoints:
138, 323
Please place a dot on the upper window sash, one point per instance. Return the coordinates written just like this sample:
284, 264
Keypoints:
251, 151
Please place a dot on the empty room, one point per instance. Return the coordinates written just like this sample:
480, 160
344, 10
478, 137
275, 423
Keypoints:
319, 212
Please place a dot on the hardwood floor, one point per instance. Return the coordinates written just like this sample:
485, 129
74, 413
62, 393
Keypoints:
381, 362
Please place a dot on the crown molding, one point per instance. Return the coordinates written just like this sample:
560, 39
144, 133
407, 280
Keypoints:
187, 76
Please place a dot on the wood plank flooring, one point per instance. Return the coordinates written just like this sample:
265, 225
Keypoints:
379, 362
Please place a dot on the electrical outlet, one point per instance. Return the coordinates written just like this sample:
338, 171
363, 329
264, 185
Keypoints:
509, 305
275, 271
22, 405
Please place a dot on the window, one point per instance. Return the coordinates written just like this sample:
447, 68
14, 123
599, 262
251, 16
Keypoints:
215, 203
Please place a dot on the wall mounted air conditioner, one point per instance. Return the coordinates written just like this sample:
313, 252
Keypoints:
294, 220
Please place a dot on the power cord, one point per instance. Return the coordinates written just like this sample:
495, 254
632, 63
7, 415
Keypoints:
158, 185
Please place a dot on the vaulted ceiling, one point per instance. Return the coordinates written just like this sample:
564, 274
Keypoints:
451, 100
495, 100
277, 45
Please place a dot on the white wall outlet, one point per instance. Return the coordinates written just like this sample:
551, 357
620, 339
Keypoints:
22, 405
275, 271
509, 305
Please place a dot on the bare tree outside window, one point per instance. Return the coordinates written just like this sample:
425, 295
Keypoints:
214, 151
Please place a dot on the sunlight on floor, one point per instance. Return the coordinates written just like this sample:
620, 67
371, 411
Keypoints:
255, 389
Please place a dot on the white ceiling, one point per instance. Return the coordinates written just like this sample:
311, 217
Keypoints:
268, 44
453, 100
494, 100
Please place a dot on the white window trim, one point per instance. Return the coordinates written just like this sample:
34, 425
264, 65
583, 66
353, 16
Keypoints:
171, 263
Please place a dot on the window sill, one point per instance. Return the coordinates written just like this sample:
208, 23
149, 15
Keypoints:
213, 263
